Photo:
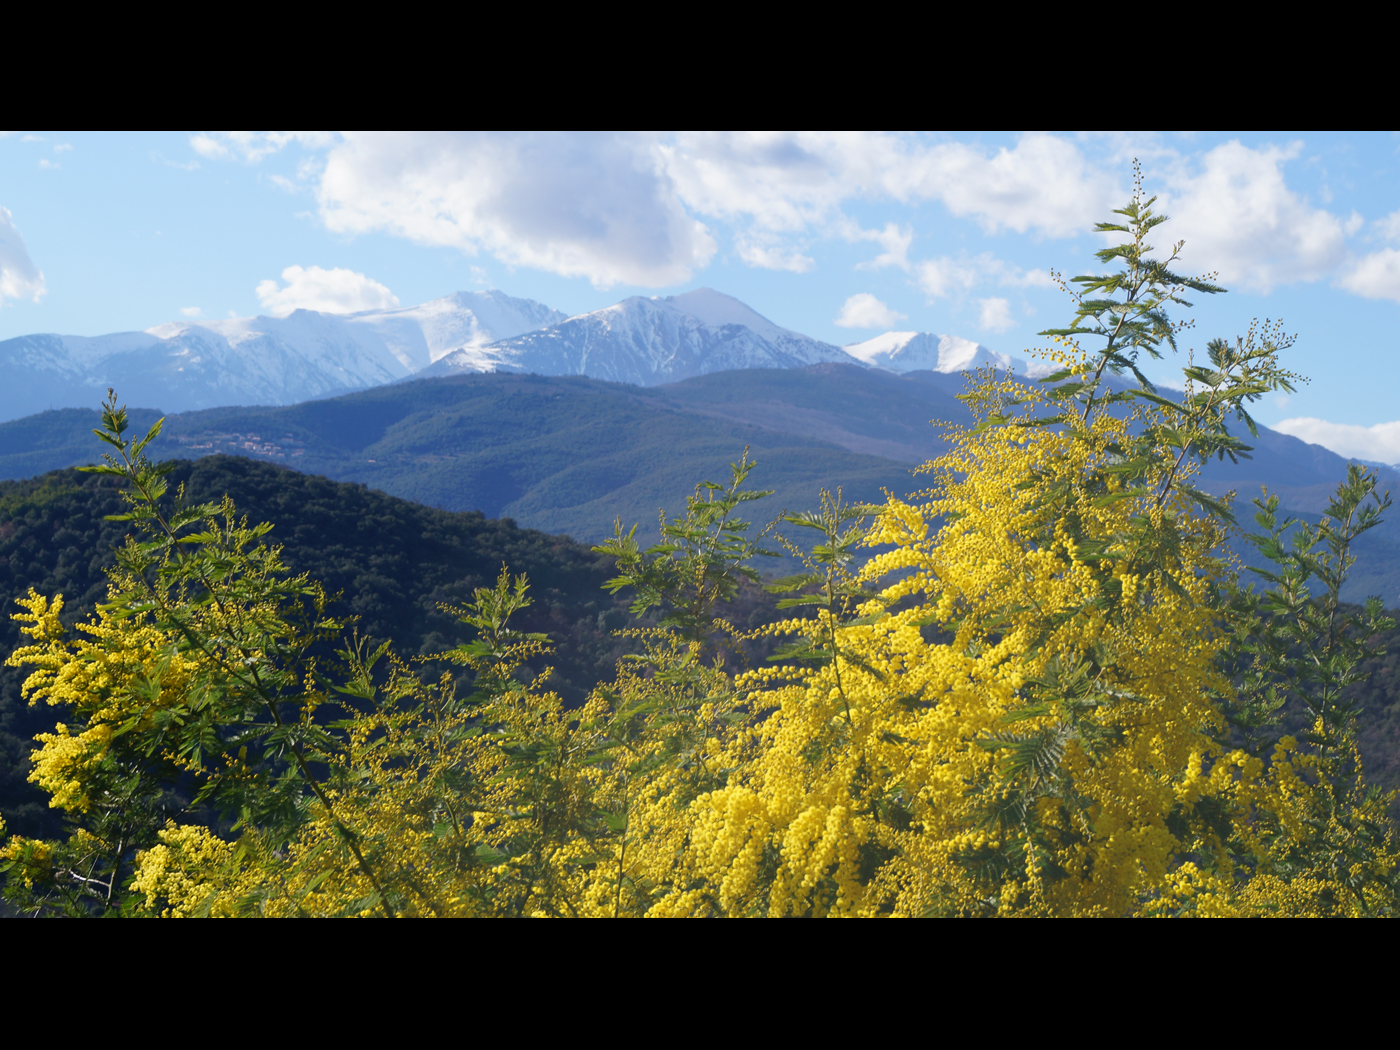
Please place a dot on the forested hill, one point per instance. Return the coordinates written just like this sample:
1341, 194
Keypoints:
393, 560
560, 454
569, 454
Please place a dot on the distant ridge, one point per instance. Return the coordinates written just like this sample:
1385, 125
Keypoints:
184, 365
569, 453
646, 342
189, 365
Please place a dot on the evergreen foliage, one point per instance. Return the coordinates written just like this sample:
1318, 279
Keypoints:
391, 562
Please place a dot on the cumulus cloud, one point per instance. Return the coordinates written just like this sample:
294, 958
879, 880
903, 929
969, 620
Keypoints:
947, 276
1043, 184
790, 180
195, 311
865, 311
995, 315
19, 277
777, 181
894, 240
1380, 442
644, 209
578, 205
1375, 275
944, 276
768, 258
1239, 218
330, 291
633, 208
1389, 227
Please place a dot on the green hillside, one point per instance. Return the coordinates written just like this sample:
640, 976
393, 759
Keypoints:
570, 454
392, 560
862, 410
55, 439
560, 454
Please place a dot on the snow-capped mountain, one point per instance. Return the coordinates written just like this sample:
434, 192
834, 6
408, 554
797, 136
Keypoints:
307, 355
912, 351
420, 335
649, 341
255, 360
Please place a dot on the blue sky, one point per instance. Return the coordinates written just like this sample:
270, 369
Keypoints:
838, 236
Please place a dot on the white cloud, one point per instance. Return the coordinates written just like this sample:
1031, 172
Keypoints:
865, 311
995, 315
1389, 227
1042, 184
944, 276
1375, 276
62, 147
1238, 217
787, 181
308, 168
330, 291
634, 208
253, 146
892, 239
49, 165
776, 259
577, 205
191, 311
19, 277
1380, 442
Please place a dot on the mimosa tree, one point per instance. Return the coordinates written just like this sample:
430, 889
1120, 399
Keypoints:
1034, 687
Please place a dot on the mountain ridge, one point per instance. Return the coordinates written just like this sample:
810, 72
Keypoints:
649, 341
193, 364
925, 351
568, 454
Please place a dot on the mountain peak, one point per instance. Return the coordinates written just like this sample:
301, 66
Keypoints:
717, 310
646, 341
428, 332
914, 351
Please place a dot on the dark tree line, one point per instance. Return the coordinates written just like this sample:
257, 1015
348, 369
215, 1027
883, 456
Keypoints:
393, 563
